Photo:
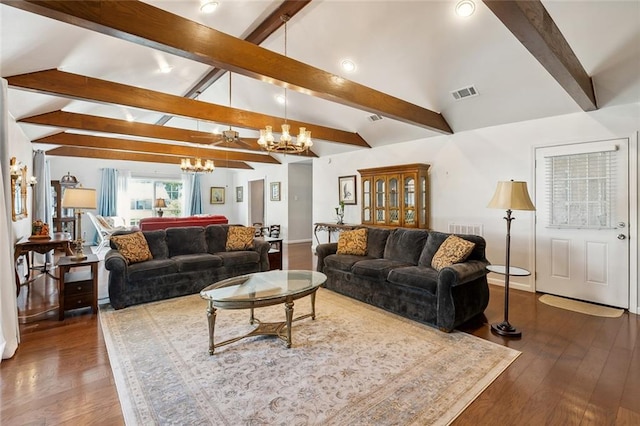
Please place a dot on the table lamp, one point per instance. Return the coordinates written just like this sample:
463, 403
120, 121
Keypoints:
159, 204
509, 195
79, 199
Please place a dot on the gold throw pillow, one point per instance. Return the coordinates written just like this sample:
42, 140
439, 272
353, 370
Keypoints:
239, 238
453, 250
353, 242
133, 247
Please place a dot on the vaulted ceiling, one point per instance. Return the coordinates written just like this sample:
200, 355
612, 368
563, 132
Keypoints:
85, 79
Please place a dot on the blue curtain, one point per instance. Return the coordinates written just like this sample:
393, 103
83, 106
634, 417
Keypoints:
195, 205
107, 201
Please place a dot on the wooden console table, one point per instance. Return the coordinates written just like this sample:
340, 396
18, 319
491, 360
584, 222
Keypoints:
59, 240
331, 227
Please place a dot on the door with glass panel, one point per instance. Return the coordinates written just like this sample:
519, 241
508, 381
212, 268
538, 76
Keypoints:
409, 200
380, 202
394, 200
367, 214
582, 221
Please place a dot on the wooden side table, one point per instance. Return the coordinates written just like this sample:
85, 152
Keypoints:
77, 289
275, 253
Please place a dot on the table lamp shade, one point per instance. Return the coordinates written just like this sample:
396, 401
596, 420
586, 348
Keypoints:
511, 195
79, 198
160, 203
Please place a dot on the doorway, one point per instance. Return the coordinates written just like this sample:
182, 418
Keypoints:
256, 201
582, 221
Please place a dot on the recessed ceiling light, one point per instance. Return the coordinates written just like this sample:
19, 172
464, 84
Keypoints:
208, 6
165, 69
348, 65
281, 99
465, 8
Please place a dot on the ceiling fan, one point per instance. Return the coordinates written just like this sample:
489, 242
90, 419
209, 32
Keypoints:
229, 136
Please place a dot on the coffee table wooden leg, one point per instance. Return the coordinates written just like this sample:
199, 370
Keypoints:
288, 309
211, 316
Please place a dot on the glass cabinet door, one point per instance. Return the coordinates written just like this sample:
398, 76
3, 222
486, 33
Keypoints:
380, 197
394, 200
409, 207
423, 200
367, 215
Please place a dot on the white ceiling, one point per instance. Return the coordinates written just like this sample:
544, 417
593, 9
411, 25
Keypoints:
418, 51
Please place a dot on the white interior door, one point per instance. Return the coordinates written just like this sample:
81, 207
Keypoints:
582, 221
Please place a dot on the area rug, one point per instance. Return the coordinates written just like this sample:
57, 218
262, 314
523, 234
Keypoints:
353, 365
581, 307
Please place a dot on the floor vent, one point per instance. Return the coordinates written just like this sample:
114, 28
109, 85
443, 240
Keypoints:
375, 117
461, 228
465, 92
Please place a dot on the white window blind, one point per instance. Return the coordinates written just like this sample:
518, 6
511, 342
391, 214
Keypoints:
580, 188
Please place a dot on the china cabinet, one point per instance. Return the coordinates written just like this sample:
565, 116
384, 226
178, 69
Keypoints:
64, 220
396, 196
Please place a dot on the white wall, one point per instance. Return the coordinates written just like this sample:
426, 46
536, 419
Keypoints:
465, 168
20, 147
300, 196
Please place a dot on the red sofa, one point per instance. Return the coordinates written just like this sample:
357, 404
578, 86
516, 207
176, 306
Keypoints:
153, 223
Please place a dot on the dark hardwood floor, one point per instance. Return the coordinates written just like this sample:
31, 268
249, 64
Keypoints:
574, 369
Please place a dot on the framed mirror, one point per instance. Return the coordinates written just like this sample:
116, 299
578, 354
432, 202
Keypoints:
18, 190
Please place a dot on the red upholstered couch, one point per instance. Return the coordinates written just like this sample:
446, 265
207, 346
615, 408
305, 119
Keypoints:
153, 223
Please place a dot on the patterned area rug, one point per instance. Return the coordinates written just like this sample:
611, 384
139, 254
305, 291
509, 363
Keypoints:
353, 365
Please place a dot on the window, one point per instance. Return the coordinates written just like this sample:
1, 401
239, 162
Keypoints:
143, 191
581, 190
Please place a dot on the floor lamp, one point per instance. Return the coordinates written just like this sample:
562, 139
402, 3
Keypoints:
79, 199
509, 195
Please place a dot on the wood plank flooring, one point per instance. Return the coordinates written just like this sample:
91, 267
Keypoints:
574, 369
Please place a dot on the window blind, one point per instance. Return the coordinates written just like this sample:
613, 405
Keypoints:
580, 190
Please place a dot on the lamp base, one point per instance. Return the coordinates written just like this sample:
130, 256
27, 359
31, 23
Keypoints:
506, 329
79, 253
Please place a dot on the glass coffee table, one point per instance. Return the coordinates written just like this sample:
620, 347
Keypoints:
259, 290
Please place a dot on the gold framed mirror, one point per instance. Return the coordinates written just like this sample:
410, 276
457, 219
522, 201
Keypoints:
19, 185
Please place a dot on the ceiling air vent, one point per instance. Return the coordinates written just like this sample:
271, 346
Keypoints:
375, 117
465, 92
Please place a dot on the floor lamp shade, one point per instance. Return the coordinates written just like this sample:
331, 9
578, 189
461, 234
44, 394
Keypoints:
79, 199
509, 195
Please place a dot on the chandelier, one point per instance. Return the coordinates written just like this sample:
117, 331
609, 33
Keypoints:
196, 167
285, 144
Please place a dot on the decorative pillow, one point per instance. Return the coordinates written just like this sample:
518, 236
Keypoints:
353, 242
133, 247
453, 250
239, 238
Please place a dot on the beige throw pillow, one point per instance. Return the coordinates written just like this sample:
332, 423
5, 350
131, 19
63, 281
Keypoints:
133, 247
453, 250
353, 242
239, 238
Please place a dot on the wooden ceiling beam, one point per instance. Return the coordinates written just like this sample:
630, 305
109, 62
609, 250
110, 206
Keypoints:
74, 151
72, 120
89, 141
75, 86
530, 22
147, 25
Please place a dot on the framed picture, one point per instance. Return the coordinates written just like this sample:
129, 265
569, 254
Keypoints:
347, 189
217, 195
239, 190
275, 191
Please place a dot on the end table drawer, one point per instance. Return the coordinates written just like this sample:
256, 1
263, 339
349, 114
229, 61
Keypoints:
80, 287
79, 301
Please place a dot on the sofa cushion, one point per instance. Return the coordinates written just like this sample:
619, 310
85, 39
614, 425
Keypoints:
415, 276
376, 268
216, 236
239, 238
405, 245
376, 241
343, 262
233, 258
187, 240
157, 241
453, 250
197, 262
133, 247
353, 242
151, 269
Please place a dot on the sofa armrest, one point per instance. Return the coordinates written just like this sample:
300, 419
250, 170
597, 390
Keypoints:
460, 273
262, 247
116, 264
324, 250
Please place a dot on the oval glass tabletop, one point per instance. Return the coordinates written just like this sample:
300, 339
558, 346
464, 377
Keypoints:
263, 286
